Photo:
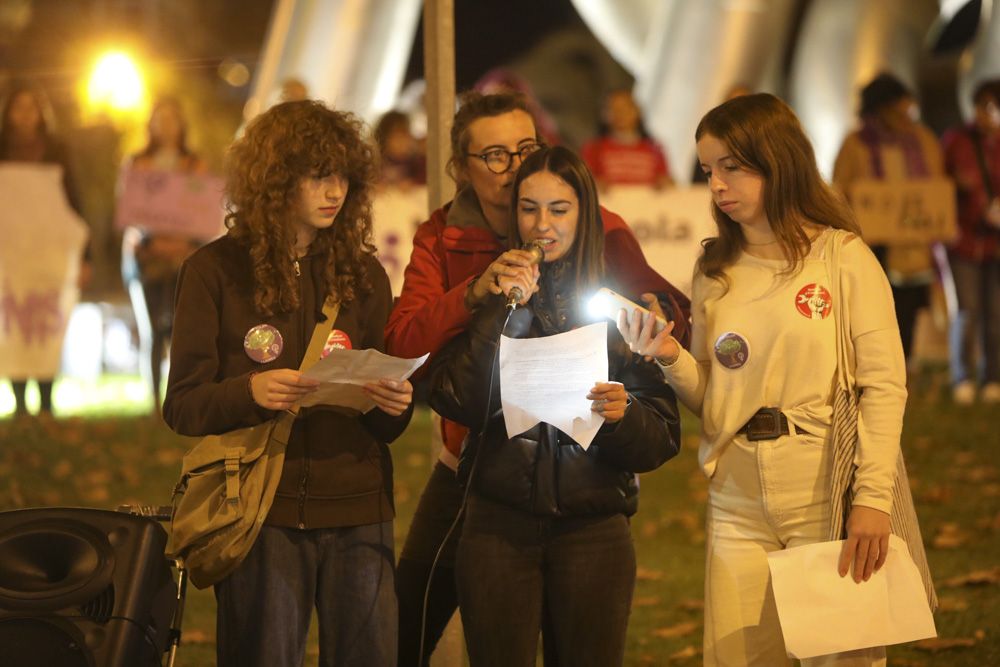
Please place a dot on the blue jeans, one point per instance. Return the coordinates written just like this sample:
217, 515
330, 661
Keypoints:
512, 564
265, 605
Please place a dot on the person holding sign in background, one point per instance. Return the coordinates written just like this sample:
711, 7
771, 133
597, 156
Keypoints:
27, 135
892, 145
299, 184
972, 158
761, 375
546, 525
150, 261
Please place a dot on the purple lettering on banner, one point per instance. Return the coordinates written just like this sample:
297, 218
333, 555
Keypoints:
37, 314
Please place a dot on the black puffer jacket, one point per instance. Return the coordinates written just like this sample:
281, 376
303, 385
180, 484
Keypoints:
543, 471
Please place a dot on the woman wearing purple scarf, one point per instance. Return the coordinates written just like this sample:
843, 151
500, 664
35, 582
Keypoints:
893, 145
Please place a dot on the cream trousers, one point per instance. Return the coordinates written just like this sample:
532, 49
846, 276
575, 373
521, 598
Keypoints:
764, 496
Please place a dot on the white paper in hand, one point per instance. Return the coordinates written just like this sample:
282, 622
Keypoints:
343, 372
822, 612
548, 379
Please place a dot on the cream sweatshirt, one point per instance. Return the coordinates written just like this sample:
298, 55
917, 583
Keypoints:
770, 341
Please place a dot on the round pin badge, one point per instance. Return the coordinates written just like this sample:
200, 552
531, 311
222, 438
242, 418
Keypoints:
337, 340
814, 301
732, 350
263, 343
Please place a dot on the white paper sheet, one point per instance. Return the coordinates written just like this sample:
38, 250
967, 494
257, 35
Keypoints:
548, 379
343, 372
822, 613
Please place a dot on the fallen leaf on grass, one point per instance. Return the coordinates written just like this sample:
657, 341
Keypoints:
964, 458
96, 494
62, 470
691, 604
952, 604
989, 490
975, 578
937, 644
980, 474
196, 637
647, 601
169, 456
685, 653
648, 529
679, 630
949, 536
936, 495
646, 574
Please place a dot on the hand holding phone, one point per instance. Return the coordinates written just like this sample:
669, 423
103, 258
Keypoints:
608, 302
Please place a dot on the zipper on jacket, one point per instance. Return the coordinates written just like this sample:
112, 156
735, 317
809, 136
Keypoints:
304, 485
304, 334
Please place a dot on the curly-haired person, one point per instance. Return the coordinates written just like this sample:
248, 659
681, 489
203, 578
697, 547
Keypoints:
299, 185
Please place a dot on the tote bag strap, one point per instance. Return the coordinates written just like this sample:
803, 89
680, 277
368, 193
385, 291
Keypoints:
331, 309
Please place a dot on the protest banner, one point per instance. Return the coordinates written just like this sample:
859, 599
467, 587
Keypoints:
396, 214
920, 211
40, 257
169, 202
670, 225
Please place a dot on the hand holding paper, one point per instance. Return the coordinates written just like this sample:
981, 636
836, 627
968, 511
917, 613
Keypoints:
822, 612
343, 375
549, 379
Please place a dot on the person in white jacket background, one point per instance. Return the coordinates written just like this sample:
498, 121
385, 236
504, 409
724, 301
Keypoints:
762, 370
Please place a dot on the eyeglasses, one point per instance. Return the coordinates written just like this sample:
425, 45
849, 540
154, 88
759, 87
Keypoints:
499, 160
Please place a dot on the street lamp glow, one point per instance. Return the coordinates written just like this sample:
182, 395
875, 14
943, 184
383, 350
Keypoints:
115, 82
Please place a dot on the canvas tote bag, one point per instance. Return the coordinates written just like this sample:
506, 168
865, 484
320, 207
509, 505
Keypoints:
903, 518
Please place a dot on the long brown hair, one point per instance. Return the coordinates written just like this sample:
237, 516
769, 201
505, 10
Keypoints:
152, 143
265, 167
764, 136
587, 251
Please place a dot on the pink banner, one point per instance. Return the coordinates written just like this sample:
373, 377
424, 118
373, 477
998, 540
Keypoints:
189, 205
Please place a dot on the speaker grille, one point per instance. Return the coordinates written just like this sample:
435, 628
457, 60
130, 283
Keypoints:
101, 607
52, 563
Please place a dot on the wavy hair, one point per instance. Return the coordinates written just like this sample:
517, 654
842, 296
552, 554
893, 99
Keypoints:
764, 136
587, 251
264, 170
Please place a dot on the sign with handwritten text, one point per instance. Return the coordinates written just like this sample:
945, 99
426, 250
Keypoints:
905, 211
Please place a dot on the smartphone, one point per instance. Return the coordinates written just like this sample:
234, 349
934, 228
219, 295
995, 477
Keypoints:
607, 303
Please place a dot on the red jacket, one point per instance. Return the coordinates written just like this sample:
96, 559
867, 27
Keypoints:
976, 241
452, 248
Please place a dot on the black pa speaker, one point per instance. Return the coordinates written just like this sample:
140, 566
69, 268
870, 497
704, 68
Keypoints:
83, 588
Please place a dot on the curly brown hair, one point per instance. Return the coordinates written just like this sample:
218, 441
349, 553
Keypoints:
264, 170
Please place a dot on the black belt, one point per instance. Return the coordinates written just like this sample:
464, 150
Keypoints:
766, 424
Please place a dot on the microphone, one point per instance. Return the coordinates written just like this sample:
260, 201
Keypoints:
537, 255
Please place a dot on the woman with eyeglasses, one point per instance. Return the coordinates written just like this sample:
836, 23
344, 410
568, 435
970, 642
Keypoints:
459, 255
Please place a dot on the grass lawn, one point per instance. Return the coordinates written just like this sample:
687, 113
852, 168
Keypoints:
102, 461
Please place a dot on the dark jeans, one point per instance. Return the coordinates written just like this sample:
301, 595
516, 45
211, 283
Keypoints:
909, 300
511, 564
44, 396
265, 605
977, 325
438, 506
